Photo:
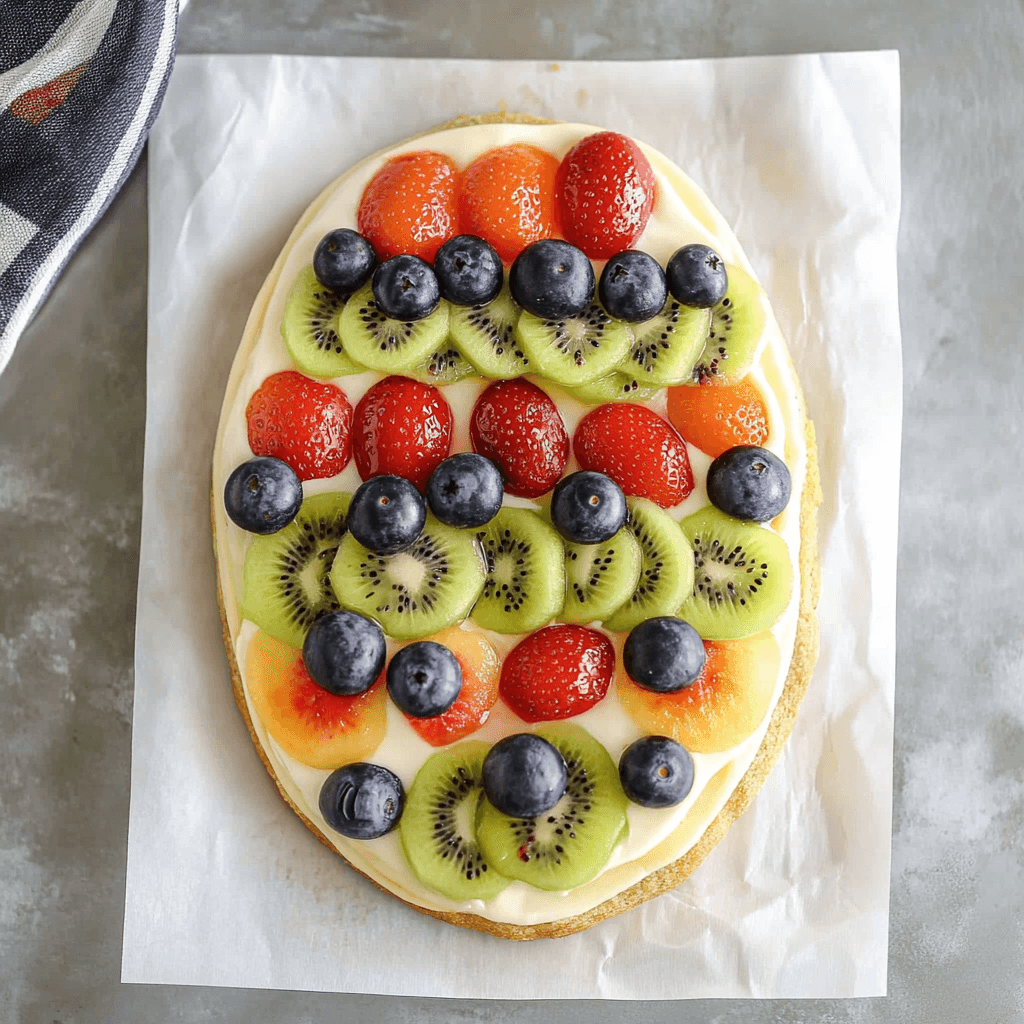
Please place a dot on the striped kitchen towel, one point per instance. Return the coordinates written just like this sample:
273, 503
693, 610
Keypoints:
80, 84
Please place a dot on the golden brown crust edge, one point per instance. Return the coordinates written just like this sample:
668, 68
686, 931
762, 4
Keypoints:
805, 654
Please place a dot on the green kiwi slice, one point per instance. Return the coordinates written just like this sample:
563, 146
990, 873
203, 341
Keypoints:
600, 577
309, 328
286, 582
666, 347
574, 350
391, 346
568, 845
525, 584
438, 825
618, 386
486, 336
666, 569
445, 365
737, 325
743, 577
427, 586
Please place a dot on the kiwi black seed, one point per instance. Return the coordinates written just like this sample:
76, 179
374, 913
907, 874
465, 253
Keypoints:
286, 579
438, 826
737, 325
486, 336
569, 844
445, 365
743, 576
309, 328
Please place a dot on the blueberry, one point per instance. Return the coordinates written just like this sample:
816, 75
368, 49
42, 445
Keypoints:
469, 271
632, 286
552, 278
524, 775
405, 288
587, 508
344, 652
749, 483
262, 495
344, 260
656, 772
362, 800
465, 490
424, 679
663, 654
696, 276
387, 514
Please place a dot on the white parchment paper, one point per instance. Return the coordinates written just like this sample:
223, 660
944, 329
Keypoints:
225, 886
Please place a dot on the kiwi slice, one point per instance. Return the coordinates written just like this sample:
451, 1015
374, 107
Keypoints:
381, 343
568, 845
445, 365
438, 826
309, 328
525, 584
574, 350
421, 589
666, 568
285, 583
618, 386
666, 347
486, 336
599, 578
737, 325
743, 576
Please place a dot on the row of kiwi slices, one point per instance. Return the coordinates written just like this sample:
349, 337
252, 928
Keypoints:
593, 356
729, 579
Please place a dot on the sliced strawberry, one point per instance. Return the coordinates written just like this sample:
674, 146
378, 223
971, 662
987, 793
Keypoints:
402, 427
557, 672
604, 194
507, 196
717, 417
639, 450
480, 666
517, 426
306, 423
410, 205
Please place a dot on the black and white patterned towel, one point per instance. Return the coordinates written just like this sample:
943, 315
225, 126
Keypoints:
80, 84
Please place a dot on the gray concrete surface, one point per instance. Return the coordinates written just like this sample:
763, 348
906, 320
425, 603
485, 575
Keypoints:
71, 423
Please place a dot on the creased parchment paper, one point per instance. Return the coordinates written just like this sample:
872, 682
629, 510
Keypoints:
225, 886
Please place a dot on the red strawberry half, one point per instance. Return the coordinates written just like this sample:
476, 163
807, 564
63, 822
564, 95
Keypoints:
519, 428
557, 672
402, 427
639, 450
604, 194
306, 423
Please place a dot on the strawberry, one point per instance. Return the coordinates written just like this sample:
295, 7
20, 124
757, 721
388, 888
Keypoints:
557, 672
639, 450
402, 427
306, 423
410, 205
507, 197
604, 194
717, 417
518, 427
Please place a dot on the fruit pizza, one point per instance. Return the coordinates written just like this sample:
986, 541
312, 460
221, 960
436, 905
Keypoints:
514, 504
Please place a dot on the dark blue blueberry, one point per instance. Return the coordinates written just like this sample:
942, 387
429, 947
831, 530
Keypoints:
387, 514
362, 800
465, 490
656, 772
587, 507
405, 288
344, 260
749, 483
469, 271
552, 278
632, 286
344, 652
424, 679
263, 495
663, 654
524, 775
696, 276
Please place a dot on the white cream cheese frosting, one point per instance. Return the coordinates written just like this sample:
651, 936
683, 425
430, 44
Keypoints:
682, 214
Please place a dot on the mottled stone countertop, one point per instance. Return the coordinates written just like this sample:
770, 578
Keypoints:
72, 413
